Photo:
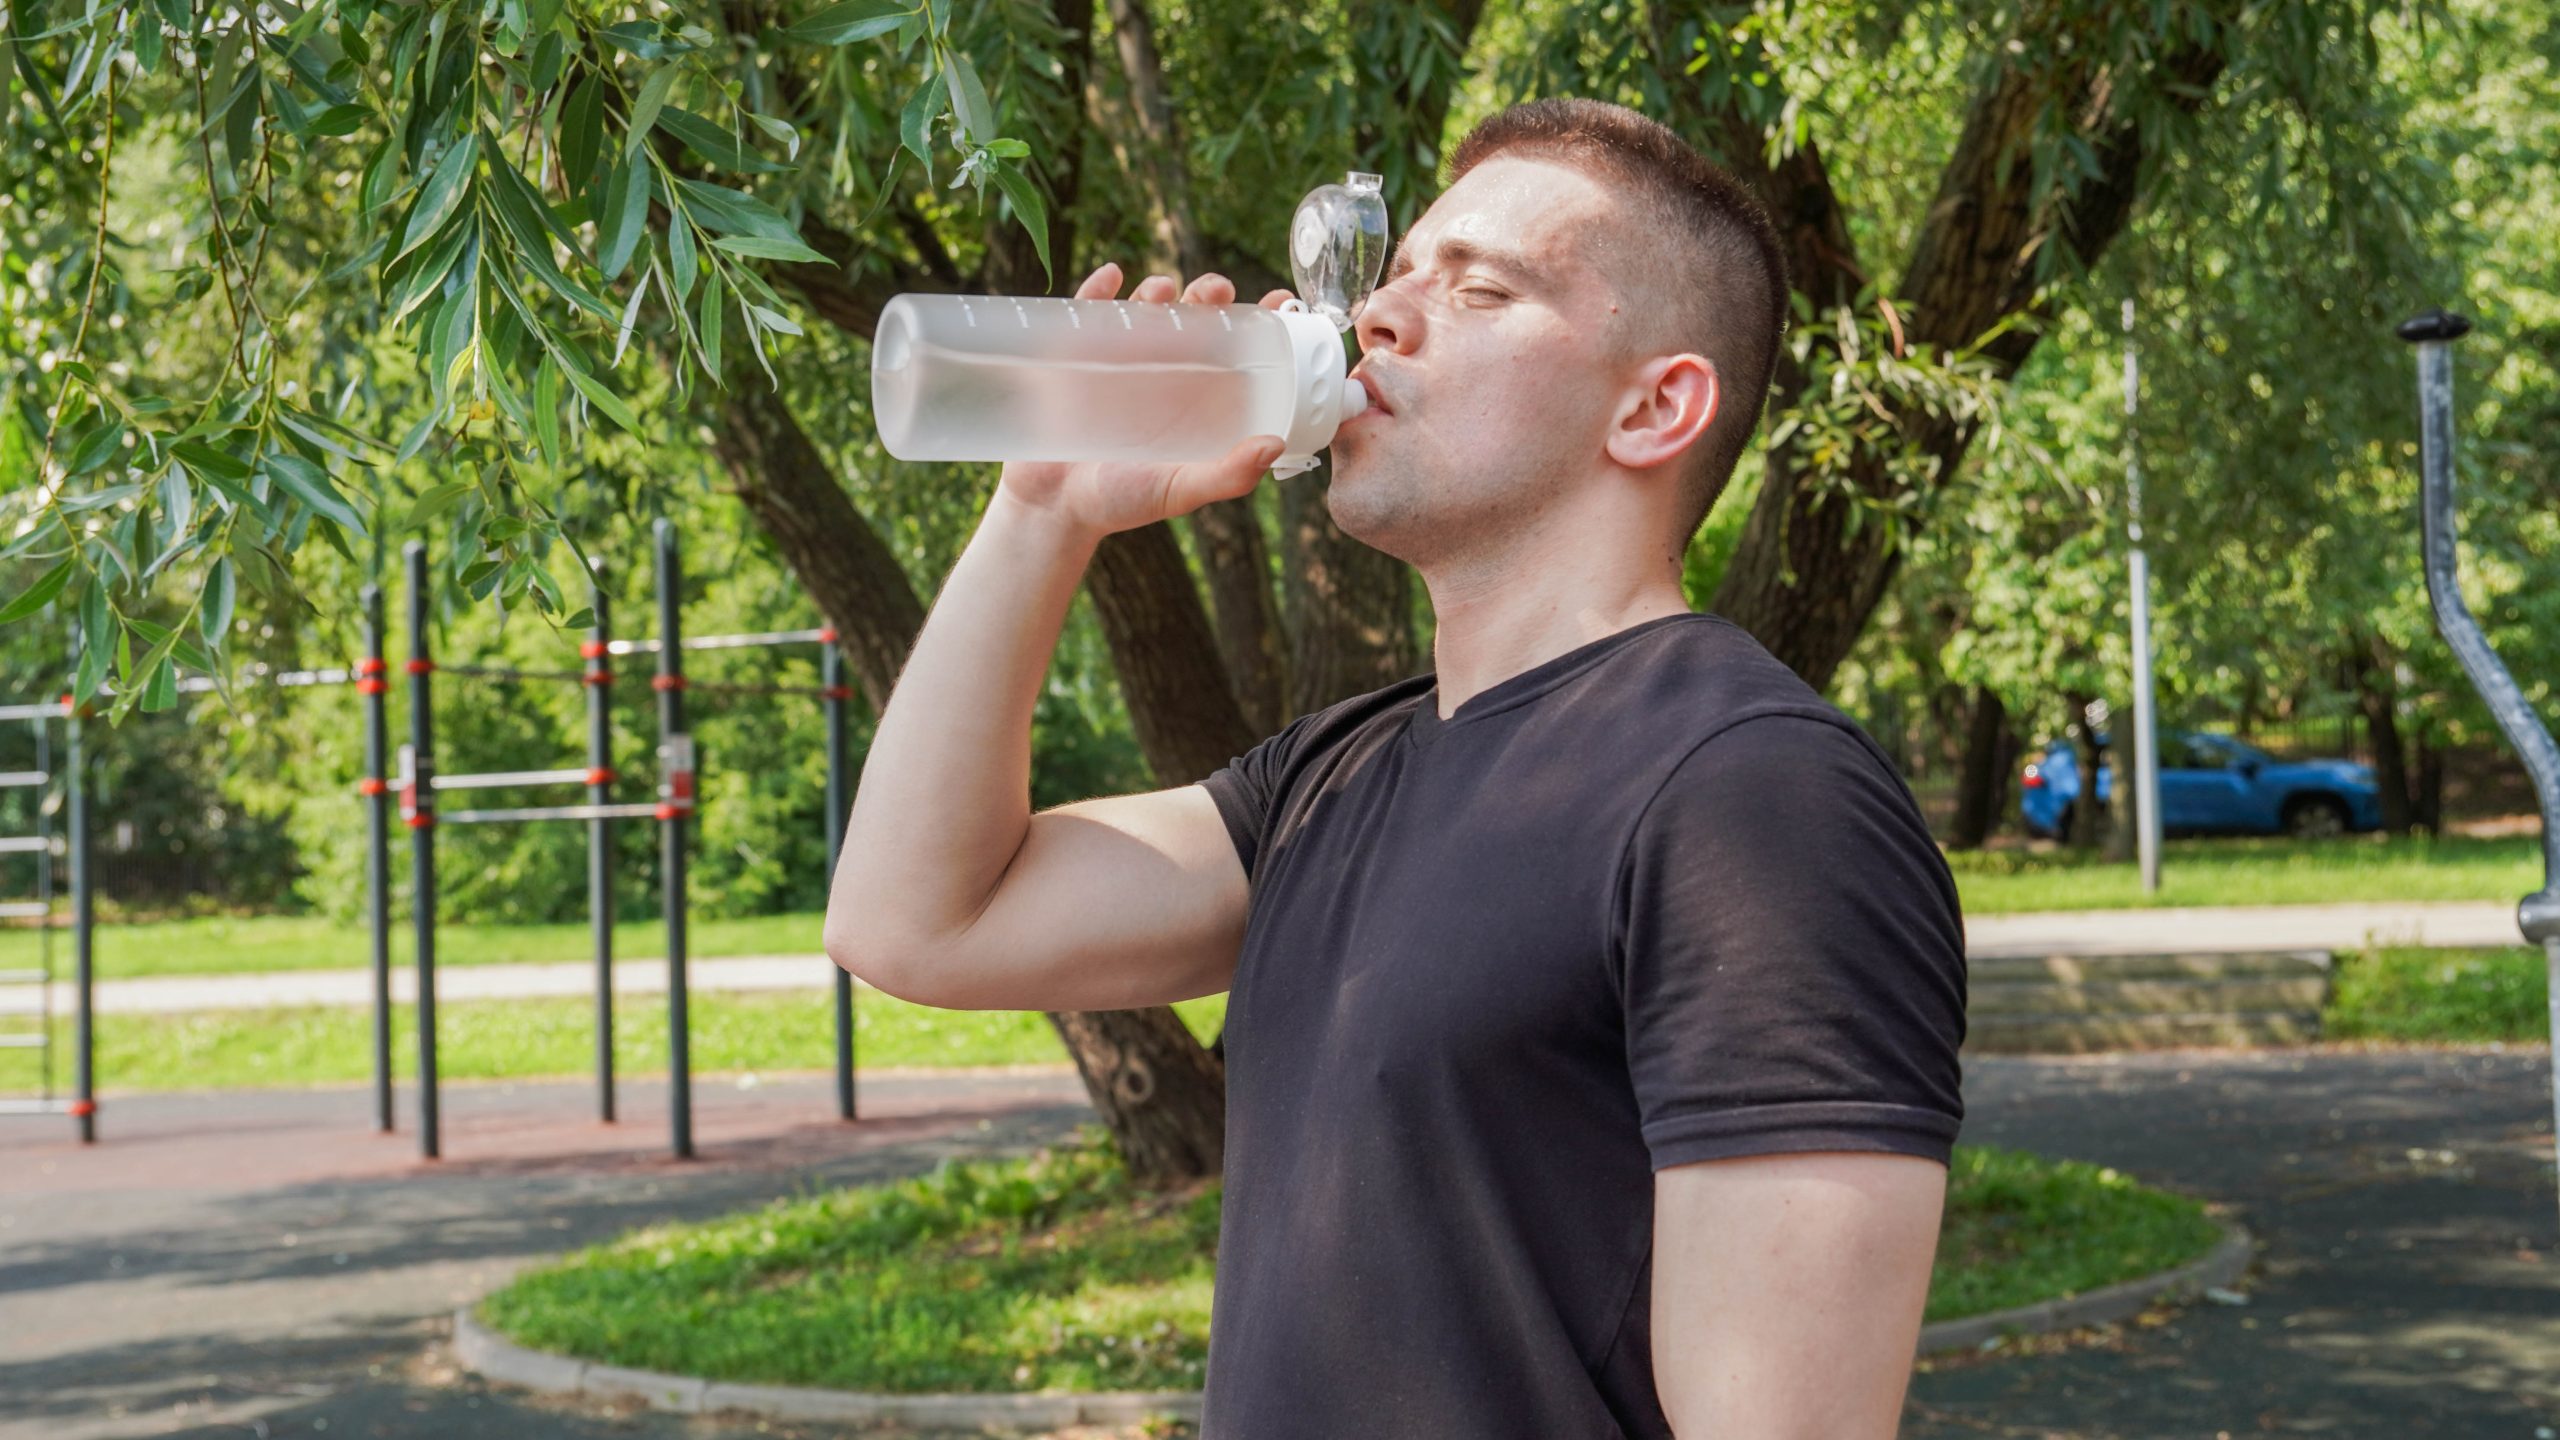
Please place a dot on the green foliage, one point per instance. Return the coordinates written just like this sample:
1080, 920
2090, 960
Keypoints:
2435, 996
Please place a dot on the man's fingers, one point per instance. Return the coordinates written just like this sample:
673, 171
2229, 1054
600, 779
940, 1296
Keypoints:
1102, 284
1211, 289
1157, 288
1230, 475
1275, 299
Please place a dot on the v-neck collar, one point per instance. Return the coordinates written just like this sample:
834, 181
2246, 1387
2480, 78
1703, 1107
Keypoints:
1426, 724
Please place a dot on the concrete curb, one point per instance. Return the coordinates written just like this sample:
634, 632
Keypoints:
485, 1352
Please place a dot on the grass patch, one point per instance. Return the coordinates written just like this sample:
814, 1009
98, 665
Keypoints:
2408, 993
256, 944
1053, 1273
508, 1039
2252, 871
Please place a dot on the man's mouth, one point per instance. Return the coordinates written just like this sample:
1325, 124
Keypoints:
1378, 402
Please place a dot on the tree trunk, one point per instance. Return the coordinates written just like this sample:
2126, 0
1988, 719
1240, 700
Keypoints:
2086, 812
2377, 699
1228, 536
2124, 812
1978, 786
1800, 580
2427, 800
1163, 1096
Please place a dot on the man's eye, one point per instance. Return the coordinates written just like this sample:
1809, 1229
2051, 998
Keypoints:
1481, 290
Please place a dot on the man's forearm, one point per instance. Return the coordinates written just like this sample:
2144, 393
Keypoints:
945, 793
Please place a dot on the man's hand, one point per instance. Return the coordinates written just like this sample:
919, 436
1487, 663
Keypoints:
1788, 1290
1103, 498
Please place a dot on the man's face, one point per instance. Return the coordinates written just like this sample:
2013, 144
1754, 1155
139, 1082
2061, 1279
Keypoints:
1486, 352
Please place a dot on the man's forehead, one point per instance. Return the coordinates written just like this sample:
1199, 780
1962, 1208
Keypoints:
1533, 209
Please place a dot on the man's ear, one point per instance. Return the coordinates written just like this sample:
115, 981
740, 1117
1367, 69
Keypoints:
1668, 410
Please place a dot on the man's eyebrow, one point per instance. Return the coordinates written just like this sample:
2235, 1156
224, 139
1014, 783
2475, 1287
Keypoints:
1456, 253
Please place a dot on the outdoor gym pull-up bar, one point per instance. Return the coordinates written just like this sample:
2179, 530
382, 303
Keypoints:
2538, 915
417, 785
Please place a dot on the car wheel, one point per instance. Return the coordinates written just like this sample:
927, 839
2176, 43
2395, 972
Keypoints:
2318, 818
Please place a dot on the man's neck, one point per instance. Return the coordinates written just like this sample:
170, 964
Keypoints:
1488, 632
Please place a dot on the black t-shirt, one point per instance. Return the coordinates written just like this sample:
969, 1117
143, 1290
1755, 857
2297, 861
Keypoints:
1648, 902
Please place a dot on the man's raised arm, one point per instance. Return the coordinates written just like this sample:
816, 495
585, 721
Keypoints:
949, 891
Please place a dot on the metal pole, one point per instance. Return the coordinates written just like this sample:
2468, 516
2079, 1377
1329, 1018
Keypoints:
599, 683
669, 683
84, 1050
831, 677
370, 685
2538, 915
418, 808
2146, 739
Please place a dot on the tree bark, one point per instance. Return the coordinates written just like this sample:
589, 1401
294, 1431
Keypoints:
1162, 1095
2124, 810
2377, 700
1978, 780
1185, 713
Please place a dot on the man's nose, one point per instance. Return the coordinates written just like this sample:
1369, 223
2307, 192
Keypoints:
1389, 321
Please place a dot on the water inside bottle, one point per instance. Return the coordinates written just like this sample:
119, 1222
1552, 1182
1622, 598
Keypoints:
1044, 386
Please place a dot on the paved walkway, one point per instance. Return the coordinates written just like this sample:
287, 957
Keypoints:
2091, 932
261, 1264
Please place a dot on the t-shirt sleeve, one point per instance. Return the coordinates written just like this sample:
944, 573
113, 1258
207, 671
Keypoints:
1790, 952
1247, 788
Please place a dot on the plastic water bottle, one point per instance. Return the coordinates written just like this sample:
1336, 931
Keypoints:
999, 377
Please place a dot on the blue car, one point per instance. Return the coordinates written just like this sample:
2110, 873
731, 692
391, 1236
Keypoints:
2213, 784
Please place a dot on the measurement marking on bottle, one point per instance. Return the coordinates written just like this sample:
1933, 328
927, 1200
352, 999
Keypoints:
1177, 318
970, 314
1227, 320
1125, 322
1021, 315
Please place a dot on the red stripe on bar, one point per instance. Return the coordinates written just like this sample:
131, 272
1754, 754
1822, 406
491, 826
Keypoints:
666, 682
421, 667
369, 665
420, 821
598, 677
371, 786
600, 776
372, 687
83, 1109
827, 634
592, 649
839, 692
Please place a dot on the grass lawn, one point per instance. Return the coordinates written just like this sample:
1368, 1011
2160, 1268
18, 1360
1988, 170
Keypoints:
2402, 994
492, 1039
2437, 995
2193, 872
2244, 871
1052, 1273
229, 945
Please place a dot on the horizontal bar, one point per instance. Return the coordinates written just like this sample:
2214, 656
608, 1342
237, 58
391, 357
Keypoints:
718, 642
35, 1107
268, 675
23, 844
502, 779
47, 710
716, 687
21, 1042
22, 977
20, 909
635, 811
505, 672
20, 779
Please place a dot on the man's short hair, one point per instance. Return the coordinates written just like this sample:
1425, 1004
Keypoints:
1707, 249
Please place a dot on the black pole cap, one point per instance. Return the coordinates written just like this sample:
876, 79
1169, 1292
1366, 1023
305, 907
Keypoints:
2434, 324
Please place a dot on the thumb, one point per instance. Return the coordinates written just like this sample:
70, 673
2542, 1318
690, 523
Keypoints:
1230, 475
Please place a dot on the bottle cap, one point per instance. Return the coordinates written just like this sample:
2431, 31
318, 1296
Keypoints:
1337, 243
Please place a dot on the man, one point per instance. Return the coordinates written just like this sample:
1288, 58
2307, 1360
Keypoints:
1591, 1050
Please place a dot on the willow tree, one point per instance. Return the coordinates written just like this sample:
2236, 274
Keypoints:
434, 250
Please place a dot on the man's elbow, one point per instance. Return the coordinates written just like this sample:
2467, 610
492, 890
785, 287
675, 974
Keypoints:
877, 958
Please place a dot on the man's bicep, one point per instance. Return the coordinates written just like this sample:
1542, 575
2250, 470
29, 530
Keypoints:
1117, 903
1788, 1291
